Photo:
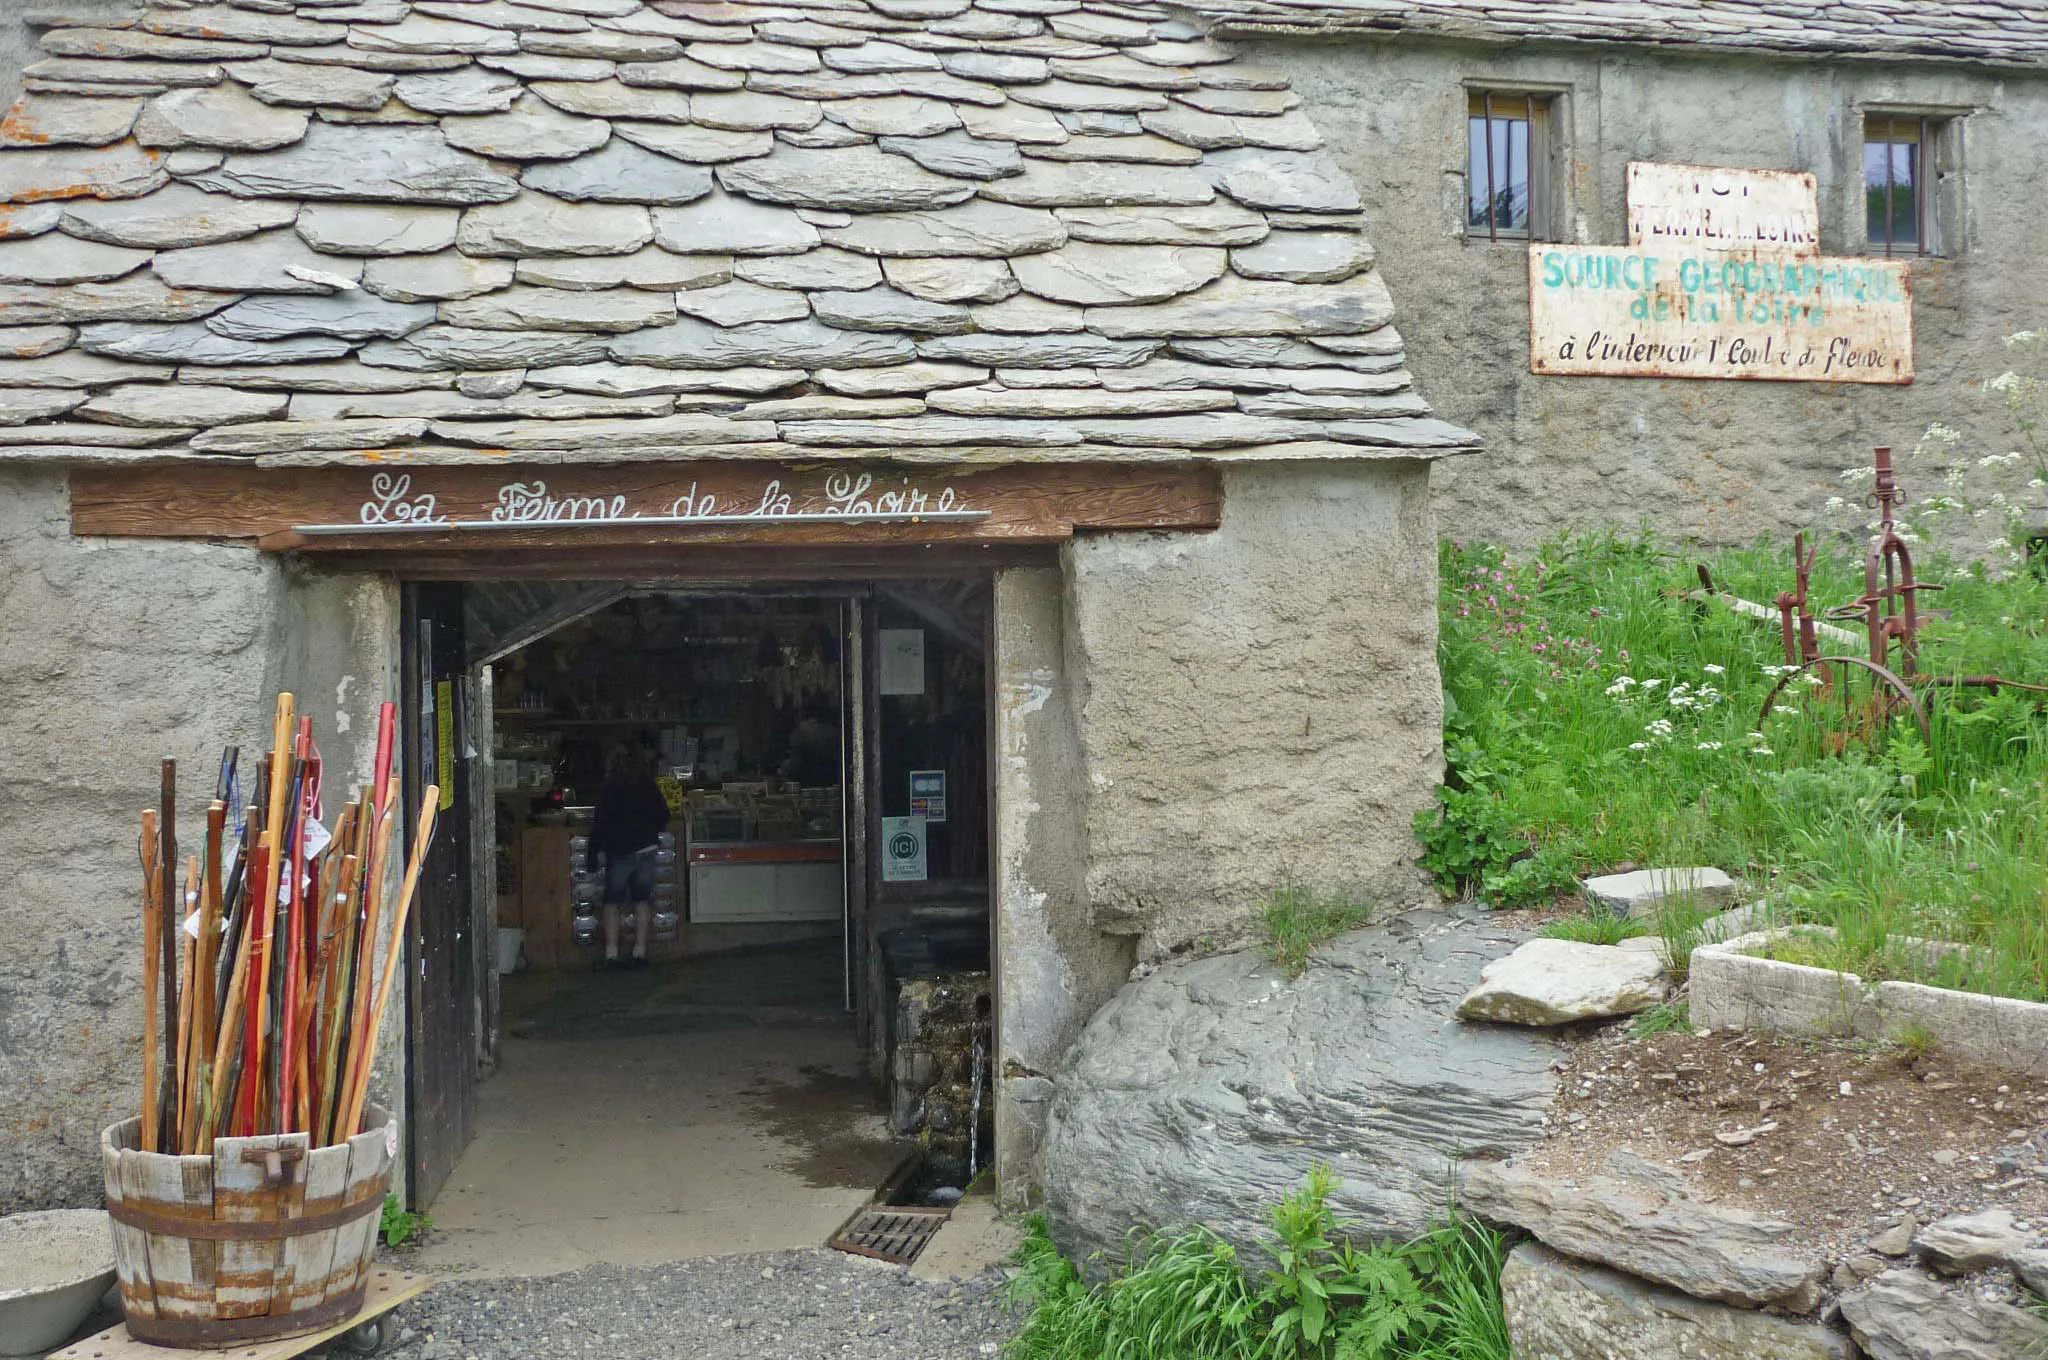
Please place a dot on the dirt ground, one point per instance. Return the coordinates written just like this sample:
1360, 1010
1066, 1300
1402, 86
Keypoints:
1842, 1140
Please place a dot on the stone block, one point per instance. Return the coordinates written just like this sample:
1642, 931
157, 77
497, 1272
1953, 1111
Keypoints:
1642, 891
1905, 1315
1557, 982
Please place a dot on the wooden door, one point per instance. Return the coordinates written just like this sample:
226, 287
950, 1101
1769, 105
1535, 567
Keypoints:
442, 993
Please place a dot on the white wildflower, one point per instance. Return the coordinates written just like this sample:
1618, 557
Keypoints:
1651, 684
1784, 709
1639, 746
1761, 751
1711, 669
2004, 382
1709, 746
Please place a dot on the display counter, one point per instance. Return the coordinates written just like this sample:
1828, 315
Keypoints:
754, 880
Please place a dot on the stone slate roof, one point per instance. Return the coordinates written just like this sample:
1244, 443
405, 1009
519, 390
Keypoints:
451, 229
1993, 32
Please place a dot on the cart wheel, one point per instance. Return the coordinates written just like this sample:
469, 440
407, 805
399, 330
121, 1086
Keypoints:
365, 1338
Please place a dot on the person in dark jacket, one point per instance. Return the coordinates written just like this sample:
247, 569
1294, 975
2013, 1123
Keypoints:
625, 833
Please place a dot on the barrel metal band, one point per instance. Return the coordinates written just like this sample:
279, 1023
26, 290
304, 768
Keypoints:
221, 1230
213, 1333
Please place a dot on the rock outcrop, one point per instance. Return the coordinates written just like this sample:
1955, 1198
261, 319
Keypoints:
1206, 1091
1557, 982
1905, 1315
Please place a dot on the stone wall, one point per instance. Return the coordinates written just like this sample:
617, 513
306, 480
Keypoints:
1721, 462
114, 654
1259, 705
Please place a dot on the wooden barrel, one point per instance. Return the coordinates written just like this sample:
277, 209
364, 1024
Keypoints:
264, 1238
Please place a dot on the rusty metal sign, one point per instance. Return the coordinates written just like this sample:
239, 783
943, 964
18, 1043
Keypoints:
1721, 208
1685, 312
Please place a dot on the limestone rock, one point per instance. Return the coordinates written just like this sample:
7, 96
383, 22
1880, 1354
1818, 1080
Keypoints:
55, 120
434, 278
353, 315
224, 116
308, 436
192, 343
256, 264
59, 259
848, 179
1081, 184
1221, 223
19, 405
739, 303
137, 297
650, 267
621, 173
897, 379
1561, 1309
532, 131
805, 344
535, 224
1239, 307
824, 267
612, 99
1556, 982
943, 280
1207, 1090
172, 217
441, 346
958, 154
1641, 892
1636, 1217
630, 380
1291, 181
144, 404
1962, 1243
1038, 351
722, 224
331, 87
358, 229
976, 230
702, 145
1304, 257
1904, 1315
884, 309
468, 89
383, 165
1088, 274
123, 170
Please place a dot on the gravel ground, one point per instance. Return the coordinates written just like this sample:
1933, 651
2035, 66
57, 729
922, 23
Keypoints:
791, 1305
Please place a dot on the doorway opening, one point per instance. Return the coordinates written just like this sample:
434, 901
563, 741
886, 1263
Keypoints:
726, 904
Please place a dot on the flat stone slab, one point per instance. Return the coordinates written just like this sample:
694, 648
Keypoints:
535, 224
1558, 982
386, 229
1642, 891
380, 164
1562, 1309
847, 179
1088, 274
1905, 1315
1732, 987
1962, 1243
182, 404
352, 315
725, 224
621, 172
59, 120
1637, 1217
263, 263
225, 116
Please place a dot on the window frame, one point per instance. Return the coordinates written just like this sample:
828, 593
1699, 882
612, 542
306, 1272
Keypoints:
1937, 215
1539, 107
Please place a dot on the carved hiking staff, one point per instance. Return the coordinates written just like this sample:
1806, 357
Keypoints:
152, 948
430, 802
167, 947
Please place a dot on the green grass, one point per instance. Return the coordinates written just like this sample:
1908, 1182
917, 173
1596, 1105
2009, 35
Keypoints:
1670, 1017
1319, 1296
1596, 926
1597, 716
1298, 921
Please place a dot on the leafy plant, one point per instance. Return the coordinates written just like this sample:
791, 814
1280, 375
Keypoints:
400, 1226
1665, 1018
1297, 921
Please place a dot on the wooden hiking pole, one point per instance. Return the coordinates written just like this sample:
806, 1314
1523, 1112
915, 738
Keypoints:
430, 802
167, 937
187, 945
334, 992
234, 1014
264, 917
359, 1034
204, 960
152, 948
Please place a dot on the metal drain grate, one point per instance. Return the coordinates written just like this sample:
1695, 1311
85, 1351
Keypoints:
889, 1233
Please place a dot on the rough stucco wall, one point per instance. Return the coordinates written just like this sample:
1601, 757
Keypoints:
1053, 967
1721, 462
1262, 704
112, 655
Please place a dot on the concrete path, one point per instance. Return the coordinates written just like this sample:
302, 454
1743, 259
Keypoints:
680, 1129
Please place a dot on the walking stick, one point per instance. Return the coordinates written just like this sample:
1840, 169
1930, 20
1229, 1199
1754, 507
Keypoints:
167, 940
265, 915
430, 802
152, 949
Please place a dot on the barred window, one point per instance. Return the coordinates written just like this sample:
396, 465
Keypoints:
1507, 179
1899, 183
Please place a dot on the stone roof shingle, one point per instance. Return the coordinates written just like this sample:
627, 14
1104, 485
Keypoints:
443, 229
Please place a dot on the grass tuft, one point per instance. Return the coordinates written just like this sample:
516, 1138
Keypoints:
1298, 921
1597, 926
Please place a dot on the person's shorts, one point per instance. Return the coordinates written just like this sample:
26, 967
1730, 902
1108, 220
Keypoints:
629, 878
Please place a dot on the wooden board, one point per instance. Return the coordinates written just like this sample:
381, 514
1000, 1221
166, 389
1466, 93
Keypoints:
554, 507
388, 1289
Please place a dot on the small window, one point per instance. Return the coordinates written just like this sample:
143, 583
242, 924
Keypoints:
1507, 178
1900, 180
